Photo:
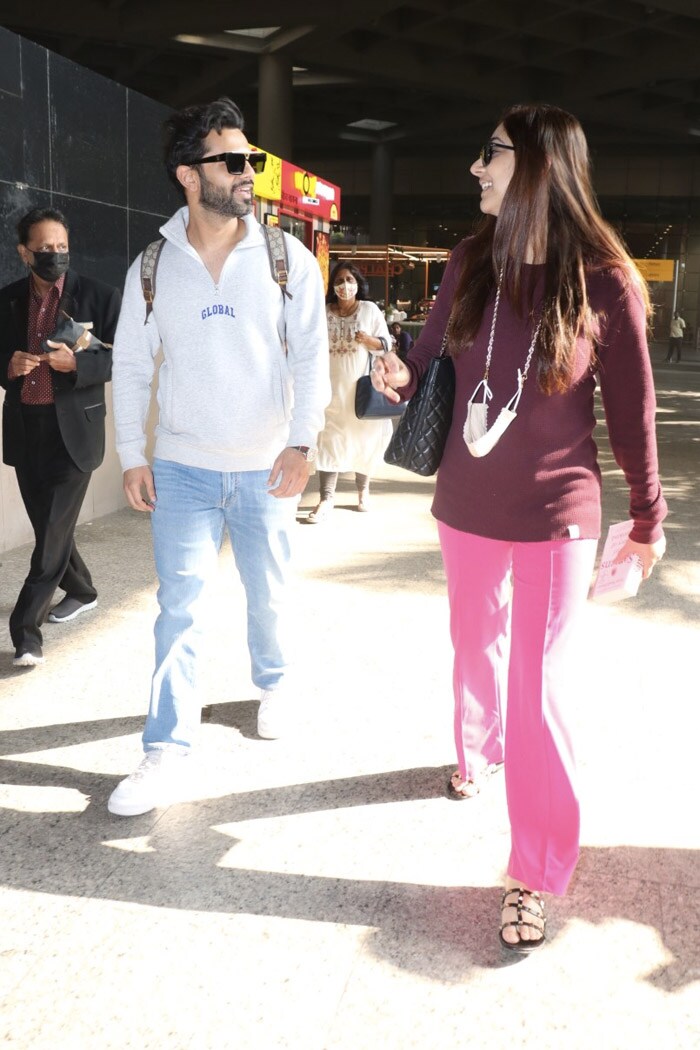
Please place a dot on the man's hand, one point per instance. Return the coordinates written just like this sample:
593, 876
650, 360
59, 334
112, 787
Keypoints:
290, 473
22, 363
389, 373
139, 489
61, 358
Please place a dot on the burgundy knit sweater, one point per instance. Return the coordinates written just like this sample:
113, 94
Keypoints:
542, 480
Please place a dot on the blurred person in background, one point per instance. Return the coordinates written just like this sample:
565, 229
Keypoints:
53, 418
356, 329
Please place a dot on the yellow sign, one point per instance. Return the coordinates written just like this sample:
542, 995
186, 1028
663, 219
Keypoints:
268, 185
656, 269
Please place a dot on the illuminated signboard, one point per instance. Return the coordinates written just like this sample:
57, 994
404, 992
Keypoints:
268, 184
309, 194
322, 246
656, 269
297, 189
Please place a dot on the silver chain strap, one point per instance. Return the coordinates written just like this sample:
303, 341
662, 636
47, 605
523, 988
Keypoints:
522, 376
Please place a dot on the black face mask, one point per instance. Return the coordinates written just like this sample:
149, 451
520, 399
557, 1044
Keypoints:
49, 266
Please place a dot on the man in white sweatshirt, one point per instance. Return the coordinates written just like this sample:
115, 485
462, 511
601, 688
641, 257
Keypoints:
241, 394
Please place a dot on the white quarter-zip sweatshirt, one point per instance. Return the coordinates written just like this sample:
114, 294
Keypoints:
230, 395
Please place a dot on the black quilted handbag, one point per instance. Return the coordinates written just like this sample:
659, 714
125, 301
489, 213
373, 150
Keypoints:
419, 439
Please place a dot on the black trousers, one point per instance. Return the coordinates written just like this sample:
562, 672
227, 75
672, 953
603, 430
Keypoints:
53, 490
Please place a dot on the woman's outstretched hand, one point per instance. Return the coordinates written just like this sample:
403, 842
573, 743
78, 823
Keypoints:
389, 374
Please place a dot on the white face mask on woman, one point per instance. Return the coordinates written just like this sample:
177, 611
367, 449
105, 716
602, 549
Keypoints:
479, 437
345, 288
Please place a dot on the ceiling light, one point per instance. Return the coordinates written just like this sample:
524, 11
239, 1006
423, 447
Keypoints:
259, 33
367, 124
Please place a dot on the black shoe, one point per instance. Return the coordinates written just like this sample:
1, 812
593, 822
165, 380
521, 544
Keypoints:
69, 608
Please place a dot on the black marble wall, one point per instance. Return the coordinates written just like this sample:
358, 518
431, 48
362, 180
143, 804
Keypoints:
73, 140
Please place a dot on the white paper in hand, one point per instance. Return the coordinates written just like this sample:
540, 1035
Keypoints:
616, 580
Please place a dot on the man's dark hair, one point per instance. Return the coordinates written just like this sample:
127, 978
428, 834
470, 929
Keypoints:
186, 130
35, 216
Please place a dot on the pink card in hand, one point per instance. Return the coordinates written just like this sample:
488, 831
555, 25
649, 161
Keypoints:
616, 580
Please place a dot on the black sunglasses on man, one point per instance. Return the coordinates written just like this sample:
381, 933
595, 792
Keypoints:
235, 161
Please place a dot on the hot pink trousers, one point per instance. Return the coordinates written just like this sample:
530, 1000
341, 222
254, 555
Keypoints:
514, 611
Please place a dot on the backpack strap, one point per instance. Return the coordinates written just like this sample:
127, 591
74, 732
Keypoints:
276, 251
277, 254
149, 268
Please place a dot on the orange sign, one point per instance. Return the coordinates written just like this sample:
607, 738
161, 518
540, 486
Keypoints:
661, 270
322, 244
308, 194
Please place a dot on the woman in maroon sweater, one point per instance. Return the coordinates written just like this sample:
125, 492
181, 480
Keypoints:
541, 302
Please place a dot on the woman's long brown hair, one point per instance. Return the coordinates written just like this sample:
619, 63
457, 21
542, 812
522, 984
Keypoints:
549, 204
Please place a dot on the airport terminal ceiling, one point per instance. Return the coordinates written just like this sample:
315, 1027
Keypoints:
428, 75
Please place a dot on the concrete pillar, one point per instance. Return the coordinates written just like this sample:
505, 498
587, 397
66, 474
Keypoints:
275, 105
689, 299
381, 201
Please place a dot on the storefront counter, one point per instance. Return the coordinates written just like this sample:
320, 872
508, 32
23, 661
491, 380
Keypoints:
414, 328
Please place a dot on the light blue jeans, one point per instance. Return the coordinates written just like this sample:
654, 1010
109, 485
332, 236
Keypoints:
193, 506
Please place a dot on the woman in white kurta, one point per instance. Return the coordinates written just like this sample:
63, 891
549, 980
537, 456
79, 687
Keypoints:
356, 330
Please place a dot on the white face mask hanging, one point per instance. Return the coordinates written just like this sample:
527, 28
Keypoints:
481, 439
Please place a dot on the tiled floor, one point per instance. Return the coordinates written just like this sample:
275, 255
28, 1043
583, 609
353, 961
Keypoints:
322, 893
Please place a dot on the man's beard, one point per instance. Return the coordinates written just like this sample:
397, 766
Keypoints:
221, 201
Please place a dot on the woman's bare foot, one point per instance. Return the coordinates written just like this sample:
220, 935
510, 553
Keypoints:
523, 920
458, 789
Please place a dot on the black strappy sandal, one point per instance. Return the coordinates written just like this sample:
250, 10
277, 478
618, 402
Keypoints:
524, 947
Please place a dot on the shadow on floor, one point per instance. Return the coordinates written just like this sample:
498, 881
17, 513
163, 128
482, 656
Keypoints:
440, 932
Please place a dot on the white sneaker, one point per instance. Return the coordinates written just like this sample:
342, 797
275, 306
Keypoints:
273, 713
23, 658
320, 513
160, 780
69, 608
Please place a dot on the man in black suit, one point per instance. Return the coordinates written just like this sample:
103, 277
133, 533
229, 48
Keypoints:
53, 418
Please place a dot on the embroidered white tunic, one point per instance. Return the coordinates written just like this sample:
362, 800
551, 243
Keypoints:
346, 442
